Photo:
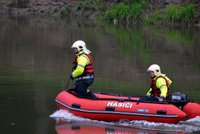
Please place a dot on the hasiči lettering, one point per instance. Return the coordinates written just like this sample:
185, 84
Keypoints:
120, 104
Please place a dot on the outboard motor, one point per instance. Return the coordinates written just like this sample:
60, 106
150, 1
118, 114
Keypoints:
179, 99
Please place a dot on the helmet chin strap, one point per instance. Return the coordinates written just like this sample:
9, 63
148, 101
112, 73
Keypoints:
78, 52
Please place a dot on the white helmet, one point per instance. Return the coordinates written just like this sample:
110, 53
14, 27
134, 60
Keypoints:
155, 69
81, 46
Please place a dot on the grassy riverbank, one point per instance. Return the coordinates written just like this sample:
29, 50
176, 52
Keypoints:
173, 15
140, 12
115, 12
125, 12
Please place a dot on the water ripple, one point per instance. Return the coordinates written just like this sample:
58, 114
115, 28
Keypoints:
189, 126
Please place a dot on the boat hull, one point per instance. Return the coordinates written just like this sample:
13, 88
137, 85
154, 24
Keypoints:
192, 109
115, 108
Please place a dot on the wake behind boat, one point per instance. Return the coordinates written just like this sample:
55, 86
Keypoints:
109, 107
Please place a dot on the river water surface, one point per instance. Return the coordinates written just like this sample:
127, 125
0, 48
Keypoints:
36, 60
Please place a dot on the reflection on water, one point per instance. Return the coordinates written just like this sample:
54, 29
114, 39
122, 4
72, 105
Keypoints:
35, 63
88, 128
68, 123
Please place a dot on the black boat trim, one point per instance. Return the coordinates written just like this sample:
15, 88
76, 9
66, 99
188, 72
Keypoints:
165, 102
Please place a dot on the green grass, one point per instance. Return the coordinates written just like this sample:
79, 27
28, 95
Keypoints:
183, 14
154, 18
128, 11
136, 10
120, 11
173, 15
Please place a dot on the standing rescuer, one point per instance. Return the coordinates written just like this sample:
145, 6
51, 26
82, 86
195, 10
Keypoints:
83, 70
160, 83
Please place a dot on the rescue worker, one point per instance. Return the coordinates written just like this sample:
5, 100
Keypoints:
83, 70
160, 83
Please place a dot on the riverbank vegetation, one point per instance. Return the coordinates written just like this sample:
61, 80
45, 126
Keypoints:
125, 12
173, 15
138, 11
167, 12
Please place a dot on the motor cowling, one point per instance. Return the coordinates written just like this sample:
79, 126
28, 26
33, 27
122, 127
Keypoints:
179, 100
179, 97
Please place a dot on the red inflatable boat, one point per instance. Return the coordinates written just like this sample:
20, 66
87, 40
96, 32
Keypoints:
108, 107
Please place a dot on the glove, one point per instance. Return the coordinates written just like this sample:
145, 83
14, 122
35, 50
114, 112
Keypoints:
148, 95
71, 77
161, 99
